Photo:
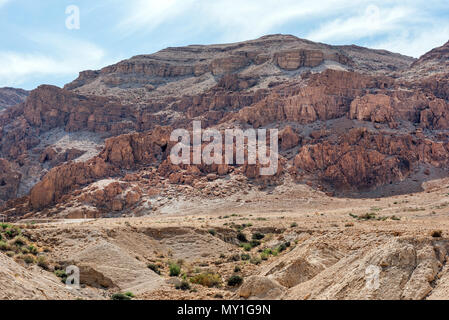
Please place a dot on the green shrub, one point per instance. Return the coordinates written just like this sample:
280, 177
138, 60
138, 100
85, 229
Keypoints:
120, 296
12, 232
19, 241
267, 251
4, 246
235, 281
254, 243
282, 247
175, 270
29, 259
129, 294
184, 286
241, 237
256, 260
61, 274
258, 236
42, 262
245, 256
212, 232
207, 279
246, 246
5, 226
32, 249
294, 225
237, 269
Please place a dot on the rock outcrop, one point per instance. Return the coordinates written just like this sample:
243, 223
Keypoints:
9, 180
350, 117
11, 96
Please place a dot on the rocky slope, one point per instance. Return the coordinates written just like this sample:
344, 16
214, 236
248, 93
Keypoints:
11, 96
291, 243
351, 119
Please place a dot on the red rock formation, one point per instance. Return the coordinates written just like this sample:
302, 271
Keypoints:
65, 178
372, 107
288, 138
136, 102
126, 151
9, 181
364, 159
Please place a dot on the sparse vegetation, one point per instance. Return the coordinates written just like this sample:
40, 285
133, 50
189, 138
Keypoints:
241, 237
154, 267
4, 246
256, 260
175, 269
258, 236
207, 279
235, 281
371, 216
42, 262
254, 243
120, 296
245, 256
12, 231
19, 241
414, 209
61, 274
184, 285
29, 259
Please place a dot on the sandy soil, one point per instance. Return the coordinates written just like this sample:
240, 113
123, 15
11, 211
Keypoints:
328, 239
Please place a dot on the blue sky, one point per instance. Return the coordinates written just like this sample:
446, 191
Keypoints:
37, 47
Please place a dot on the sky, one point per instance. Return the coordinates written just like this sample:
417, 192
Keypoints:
51, 41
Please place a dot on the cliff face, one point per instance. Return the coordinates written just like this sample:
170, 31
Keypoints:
11, 96
350, 118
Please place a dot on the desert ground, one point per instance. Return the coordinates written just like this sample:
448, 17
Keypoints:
310, 246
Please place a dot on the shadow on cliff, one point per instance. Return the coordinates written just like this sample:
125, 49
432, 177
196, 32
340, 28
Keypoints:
414, 183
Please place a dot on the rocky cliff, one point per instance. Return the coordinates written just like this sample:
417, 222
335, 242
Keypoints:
11, 96
350, 118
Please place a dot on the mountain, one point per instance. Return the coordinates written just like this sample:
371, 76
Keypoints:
195, 69
351, 120
357, 208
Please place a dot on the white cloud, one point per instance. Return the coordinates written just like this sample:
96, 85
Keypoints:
66, 56
370, 22
149, 14
416, 44
390, 23
235, 19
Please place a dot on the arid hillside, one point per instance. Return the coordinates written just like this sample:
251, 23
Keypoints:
350, 119
361, 175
